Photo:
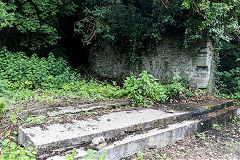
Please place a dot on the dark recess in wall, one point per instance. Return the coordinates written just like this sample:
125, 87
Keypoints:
72, 45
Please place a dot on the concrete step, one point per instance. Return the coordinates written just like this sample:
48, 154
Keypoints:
157, 138
52, 138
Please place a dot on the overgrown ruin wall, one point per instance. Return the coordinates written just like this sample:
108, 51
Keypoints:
167, 60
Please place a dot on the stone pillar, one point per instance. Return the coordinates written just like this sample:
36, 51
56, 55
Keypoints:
204, 67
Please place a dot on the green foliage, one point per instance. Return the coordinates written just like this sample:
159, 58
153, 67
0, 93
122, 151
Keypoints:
34, 78
34, 119
3, 87
11, 151
140, 156
92, 90
93, 156
6, 19
31, 73
4, 104
202, 136
123, 24
1, 109
71, 156
227, 76
216, 126
32, 24
177, 88
144, 90
218, 18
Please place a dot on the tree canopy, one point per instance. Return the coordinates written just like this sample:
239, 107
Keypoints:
34, 25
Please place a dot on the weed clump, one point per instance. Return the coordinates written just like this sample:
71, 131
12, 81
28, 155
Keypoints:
145, 89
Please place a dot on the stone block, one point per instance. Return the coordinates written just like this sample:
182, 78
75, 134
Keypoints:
202, 61
98, 140
205, 50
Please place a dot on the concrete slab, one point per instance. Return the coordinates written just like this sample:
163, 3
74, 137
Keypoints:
113, 125
158, 138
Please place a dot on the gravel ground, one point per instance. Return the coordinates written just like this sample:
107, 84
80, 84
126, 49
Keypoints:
222, 142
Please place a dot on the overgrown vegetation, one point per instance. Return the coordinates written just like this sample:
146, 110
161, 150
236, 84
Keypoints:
26, 78
33, 29
145, 90
32, 26
129, 26
29, 78
11, 151
132, 26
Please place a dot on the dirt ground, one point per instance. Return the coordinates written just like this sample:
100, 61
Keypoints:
222, 142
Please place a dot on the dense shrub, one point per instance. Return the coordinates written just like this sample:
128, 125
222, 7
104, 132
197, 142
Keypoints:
34, 72
177, 88
145, 90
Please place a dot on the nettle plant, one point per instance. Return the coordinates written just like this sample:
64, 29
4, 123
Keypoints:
144, 90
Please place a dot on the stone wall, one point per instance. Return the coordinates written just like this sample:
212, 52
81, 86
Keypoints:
166, 60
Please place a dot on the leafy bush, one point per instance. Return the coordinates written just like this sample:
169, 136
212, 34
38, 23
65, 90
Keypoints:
144, 90
33, 72
176, 88
11, 151
3, 87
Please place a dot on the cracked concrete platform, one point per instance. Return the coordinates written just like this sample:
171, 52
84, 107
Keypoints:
113, 125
